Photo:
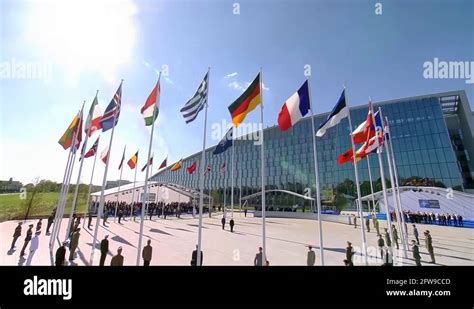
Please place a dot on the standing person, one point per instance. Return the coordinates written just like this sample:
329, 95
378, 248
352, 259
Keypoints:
89, 221
61, 255
16, 234
29, 234
231, 223
245, 212
223, 222
429, 245
120, 215
395, 235
33, 247
388, 241
38, 225
146, 253
50, 222
416, 253
74, 243
355, 221
311, 256
105, 217
71, 227
415, 233
117, 260
349, 253
367, 224
258, 260
381, 244
104, 250
377, 226
194, 257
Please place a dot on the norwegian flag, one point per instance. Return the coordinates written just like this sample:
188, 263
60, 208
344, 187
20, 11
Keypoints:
93, 149
112, 112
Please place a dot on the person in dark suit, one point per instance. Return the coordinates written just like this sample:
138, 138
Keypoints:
231, 223
349, 253
117, 260
147, 253
245, 212
223, 223
415, 233
258, 260
16, 234
28, 237
61, 255
38, 225
50, 222
89, 222
104, 250
194, 257
416, 253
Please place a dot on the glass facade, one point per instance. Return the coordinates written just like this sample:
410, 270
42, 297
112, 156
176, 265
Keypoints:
421, 142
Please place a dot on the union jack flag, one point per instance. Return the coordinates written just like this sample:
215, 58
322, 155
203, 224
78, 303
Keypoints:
112, 112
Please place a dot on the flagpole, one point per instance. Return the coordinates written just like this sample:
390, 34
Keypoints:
201, 175
262, 157
120, 183
145, 195
148, 164
240, 193
396, 182
361, 214
76, 191
90, 185
224, 213
133, 190
371, 184
104, 182
316, 173
61, 195
232, 178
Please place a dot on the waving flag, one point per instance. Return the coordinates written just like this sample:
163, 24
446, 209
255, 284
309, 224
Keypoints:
246, 103
339, 112
151, 108
197, 103
150, 162
225, 143
177, 166
123, 158
112, 112
222, 170
104, 156
93, 149
295, 108
208, 169
366, 130
192, 168
93, 118
133, 161
164, 163
74, 127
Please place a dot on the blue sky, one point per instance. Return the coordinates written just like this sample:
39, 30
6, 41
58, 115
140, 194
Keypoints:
91, 45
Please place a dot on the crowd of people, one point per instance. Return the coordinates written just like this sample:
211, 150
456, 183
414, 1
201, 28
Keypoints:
430, 218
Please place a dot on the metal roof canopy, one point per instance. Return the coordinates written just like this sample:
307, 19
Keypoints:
189, 192
283, 191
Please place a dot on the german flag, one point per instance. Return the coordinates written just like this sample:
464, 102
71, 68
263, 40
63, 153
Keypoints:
133, 161
246, 102
177, 165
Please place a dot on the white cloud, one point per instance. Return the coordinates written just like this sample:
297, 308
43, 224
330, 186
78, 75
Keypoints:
231, 75
242, 86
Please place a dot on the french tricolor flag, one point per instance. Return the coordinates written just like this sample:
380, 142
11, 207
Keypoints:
295, 108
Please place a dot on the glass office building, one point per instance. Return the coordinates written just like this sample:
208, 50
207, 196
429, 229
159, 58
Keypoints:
432, 139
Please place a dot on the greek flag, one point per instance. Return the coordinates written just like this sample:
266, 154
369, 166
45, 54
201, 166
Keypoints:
192, 108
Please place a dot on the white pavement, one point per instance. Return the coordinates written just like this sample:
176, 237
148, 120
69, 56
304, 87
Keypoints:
174, 239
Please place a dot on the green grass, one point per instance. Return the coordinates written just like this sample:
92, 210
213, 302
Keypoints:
13, 207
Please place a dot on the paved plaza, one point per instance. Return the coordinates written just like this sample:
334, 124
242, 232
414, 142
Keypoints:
173, 241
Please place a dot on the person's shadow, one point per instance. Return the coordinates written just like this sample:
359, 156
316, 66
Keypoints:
21, 261
11, 251
30, 257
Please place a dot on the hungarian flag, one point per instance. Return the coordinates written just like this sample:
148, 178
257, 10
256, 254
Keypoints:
150, 162
295, 108
112, 112
192, 168
123, 158
246, 103
93, 118
222, 169
104, 156
366, 130
133, 161
164, 163
151, 108
177, 166
93, 149
74, 127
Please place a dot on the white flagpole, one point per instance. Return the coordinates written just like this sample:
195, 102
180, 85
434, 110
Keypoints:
232, 178
224, 213
201, 175
151, 169
90, 184
61, 196
120, 183
104, 182
240, 192
133, 190
396, 182
145, 194
359, 204
76, 191
384, 189
371, 184
262, 157
316, 174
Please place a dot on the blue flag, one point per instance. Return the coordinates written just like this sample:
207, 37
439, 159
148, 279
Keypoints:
112, 112
225, 143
